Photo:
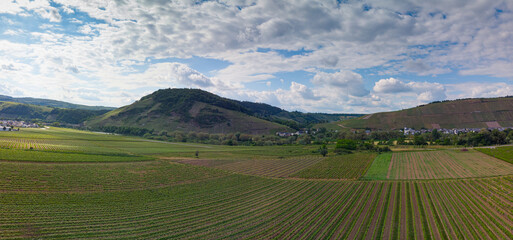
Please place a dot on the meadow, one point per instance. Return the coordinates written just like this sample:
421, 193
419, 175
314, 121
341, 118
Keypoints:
162, 190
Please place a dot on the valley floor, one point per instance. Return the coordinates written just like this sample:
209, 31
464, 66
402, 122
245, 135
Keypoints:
162, 191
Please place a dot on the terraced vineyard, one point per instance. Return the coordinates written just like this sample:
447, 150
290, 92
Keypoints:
207, 198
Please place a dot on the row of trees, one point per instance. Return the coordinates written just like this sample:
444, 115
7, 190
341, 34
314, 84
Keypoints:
363, 141
484, 137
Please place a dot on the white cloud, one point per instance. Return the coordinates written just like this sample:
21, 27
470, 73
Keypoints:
298, 89
408, 94
346, 81
479, 89
391, 85
49, 13
394, 37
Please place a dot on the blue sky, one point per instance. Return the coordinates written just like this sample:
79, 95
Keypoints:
313, 56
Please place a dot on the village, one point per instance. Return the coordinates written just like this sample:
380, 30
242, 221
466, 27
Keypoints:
15, 125
406, 131
410, 131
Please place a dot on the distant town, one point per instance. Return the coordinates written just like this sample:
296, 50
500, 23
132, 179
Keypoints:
14, 125
455, 131
406, 131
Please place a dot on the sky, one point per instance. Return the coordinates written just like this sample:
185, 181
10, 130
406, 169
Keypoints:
313, 56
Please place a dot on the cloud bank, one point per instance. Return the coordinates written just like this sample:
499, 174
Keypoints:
351, 56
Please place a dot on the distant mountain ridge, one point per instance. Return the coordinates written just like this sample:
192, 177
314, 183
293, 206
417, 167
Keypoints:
463, 113
52, 103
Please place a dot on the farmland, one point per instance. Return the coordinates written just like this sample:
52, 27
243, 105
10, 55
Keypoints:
261, 167
350, 166
437, 165
503, 153
243, 206
161, 190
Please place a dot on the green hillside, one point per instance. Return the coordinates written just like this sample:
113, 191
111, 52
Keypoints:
51, 103
465, 113
187, 110
21, 111
294, 119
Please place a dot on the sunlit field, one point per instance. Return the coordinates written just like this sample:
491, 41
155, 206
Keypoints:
61, 183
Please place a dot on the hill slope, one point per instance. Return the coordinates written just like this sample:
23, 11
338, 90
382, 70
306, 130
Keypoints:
14, 110
52, 103
465, 113
187, 110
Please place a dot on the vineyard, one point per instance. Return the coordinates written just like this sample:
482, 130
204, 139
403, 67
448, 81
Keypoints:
349, 166
437, 165
250, 207
260, 167
161, 190
503, 153
24, 143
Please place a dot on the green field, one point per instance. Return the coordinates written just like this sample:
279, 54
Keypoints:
379, 168
503, 153
162, 190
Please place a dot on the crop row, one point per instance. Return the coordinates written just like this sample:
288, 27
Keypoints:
349, 166
48, 156
98, 177
504, 153
237, 206
259, 167
24, 143
444, 164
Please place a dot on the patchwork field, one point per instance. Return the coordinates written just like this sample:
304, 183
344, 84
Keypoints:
437, 165
162, 191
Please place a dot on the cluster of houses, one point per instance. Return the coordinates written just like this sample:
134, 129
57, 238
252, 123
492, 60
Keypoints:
13, 125
288, 134
455, 131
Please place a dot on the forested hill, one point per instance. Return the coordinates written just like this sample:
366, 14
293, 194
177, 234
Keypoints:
464, 113
51, 103
187, 110
293, 119
21, 111
201, 111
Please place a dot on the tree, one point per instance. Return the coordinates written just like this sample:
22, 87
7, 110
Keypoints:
323, 150
419, 140
345, 146
435, 135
